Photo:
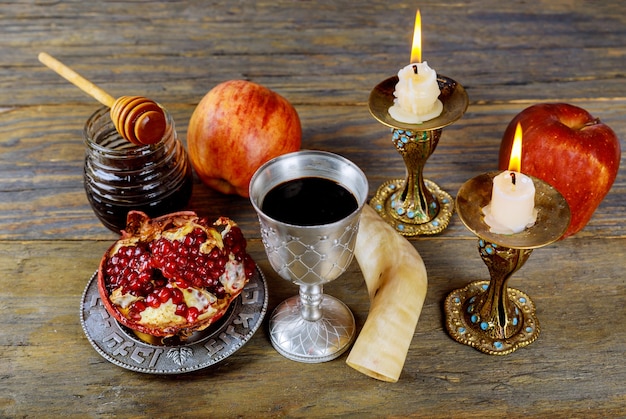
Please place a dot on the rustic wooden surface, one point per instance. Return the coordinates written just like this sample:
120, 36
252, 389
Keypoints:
325, 57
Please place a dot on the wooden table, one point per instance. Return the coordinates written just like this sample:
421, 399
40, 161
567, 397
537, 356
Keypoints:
325, 57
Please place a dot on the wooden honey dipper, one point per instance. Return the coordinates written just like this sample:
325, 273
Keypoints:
137, 119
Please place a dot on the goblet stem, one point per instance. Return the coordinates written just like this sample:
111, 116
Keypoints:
310, 302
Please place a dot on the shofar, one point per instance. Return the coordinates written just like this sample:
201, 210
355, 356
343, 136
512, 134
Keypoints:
396, 281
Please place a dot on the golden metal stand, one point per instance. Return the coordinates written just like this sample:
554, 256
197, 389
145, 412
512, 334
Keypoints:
488, 315
416, 206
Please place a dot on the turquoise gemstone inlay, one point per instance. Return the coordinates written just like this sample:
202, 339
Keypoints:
485, 286
497, 345
435, 223
489, 250
522, 300
461, 330
529, 329
400, 227
470, 309
457, 300
474, 319
400, 211
515, 321
379, 207
471, 300
484, 325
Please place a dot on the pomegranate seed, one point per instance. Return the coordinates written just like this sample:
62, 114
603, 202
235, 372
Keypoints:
152, 300
181, 310
164, 294
177, 296
147, 288
181, 283
138, 306
160, 283
192, 314
135, 285
170, 266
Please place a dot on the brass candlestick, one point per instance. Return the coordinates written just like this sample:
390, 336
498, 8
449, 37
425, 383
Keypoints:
414, 205
488, 315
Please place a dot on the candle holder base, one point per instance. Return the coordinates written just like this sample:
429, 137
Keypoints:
385, 203
466, 327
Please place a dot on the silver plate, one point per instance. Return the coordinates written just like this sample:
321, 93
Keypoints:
119, 345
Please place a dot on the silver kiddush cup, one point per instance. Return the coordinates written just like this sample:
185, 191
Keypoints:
311, 327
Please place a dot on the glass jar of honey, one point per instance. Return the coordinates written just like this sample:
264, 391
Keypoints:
120, 176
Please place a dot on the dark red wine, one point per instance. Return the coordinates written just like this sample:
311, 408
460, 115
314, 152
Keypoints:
309, 201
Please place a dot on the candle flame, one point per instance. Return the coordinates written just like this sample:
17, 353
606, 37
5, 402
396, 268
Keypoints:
416, 48
515, 162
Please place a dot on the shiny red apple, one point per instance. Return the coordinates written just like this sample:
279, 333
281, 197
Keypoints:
237, 126
567, 147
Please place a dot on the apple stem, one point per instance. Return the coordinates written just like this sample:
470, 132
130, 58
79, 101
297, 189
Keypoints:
596, 121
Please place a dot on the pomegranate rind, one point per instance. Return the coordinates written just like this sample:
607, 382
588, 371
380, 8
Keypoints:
141, 229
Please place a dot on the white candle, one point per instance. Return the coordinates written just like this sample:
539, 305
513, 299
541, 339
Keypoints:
417, 91
512, 206
416, 95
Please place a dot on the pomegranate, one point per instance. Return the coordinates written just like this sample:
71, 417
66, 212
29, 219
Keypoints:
173, 275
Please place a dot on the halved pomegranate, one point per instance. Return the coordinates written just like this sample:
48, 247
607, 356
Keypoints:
173, 275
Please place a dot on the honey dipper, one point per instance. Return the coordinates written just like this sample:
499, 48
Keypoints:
137, 119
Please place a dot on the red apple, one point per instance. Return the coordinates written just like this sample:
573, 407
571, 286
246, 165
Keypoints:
571, 150
236, 127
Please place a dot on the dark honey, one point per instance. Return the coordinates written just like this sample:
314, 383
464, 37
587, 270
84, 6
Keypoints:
119, 176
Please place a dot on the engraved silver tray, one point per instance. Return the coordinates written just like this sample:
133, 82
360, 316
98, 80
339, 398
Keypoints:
120, 346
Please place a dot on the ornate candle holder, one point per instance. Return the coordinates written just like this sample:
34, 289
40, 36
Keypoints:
488, 315
414, 205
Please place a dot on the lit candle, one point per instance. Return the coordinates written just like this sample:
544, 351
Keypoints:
512, 206
417, 91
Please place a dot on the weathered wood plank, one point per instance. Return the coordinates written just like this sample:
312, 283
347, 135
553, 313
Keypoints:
573, 369
325, 57
43, 195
